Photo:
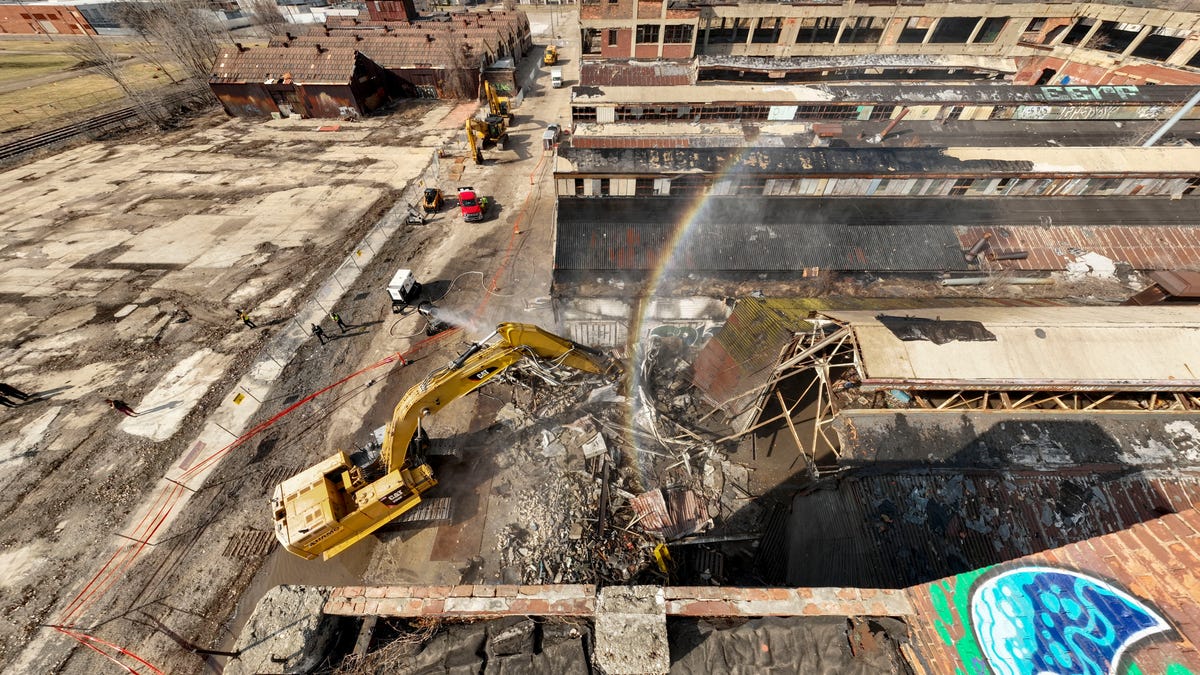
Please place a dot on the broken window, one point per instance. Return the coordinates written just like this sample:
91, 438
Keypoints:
584, 114
677, 34
1160, 44
819, 30
643, 187
1114, 37
730, 30
1079, 31
961, 186
954, 29
864, 30
990, 30
647, 33
578, 187
1035, 25
612, 37
915, 30
767, 31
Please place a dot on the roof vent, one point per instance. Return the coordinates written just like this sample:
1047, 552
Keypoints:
429, 37
240, 48
320, 49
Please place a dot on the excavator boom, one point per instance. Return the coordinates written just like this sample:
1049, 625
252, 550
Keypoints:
330, 506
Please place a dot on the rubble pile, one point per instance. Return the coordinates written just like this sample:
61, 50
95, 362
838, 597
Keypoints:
599, 479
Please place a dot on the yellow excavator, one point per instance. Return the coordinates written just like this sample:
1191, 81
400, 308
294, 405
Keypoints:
329, 507
500, 106
480, 132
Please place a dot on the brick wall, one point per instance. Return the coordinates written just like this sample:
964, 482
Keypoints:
580, 600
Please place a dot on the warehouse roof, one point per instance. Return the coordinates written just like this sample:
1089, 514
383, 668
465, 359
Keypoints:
271, 64
1113, 347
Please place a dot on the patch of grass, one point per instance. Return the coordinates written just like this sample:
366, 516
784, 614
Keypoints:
24, 66
68, 97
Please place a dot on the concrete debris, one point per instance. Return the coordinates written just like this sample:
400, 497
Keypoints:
578, 482
287, 633
1091, 264
631, 631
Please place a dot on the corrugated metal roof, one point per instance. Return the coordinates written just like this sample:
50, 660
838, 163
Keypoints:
401, 52
745, 351
306, 66
1160, 246
610, 72
892, 531
1116, 347
671, 513
755, 247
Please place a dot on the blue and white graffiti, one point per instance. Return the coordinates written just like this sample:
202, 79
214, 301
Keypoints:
1046, 621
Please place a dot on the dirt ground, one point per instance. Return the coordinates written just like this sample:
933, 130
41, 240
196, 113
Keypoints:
123, 265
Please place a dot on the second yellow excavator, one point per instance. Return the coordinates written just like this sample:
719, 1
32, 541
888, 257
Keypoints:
328, 507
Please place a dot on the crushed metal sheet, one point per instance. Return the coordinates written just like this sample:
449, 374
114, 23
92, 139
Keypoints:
672, 513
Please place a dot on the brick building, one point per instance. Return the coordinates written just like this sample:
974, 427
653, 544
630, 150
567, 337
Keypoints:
32, 18
1033, 43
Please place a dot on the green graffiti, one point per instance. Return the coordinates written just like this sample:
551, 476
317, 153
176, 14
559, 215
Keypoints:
1178, 669
951, 599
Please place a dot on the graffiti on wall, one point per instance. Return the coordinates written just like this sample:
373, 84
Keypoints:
1121, 92
691, 335
1040, 620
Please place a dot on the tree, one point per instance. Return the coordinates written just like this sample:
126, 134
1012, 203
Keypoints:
187, 29
95, 55
266, 15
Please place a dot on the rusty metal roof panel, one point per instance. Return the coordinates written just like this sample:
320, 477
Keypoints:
1178, 283
671, 513
270, 64
610, 73
743, 354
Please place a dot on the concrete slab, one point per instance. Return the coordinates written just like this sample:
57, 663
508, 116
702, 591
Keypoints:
287, 633
631, 631
163, 409
16, 450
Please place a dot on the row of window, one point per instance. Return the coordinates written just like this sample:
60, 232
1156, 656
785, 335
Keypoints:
673, 34
855, 30
855, 111
1157, 44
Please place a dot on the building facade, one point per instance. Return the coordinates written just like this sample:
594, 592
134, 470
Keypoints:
1031, 43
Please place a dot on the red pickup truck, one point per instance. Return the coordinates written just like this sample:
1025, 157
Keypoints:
473, 206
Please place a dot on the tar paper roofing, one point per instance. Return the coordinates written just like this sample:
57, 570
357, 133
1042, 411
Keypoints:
1014, 347
269, 64
724, 234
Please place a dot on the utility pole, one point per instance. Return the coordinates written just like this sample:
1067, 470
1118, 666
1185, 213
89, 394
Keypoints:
1191, 103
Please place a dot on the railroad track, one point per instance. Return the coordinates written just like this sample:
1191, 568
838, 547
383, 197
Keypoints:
18, 148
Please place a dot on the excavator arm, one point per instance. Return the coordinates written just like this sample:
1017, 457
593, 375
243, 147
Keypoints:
330, 506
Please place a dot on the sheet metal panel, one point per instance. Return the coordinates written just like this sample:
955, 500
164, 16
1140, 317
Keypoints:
1115, 346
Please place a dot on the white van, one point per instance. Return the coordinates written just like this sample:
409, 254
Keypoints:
556, 77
